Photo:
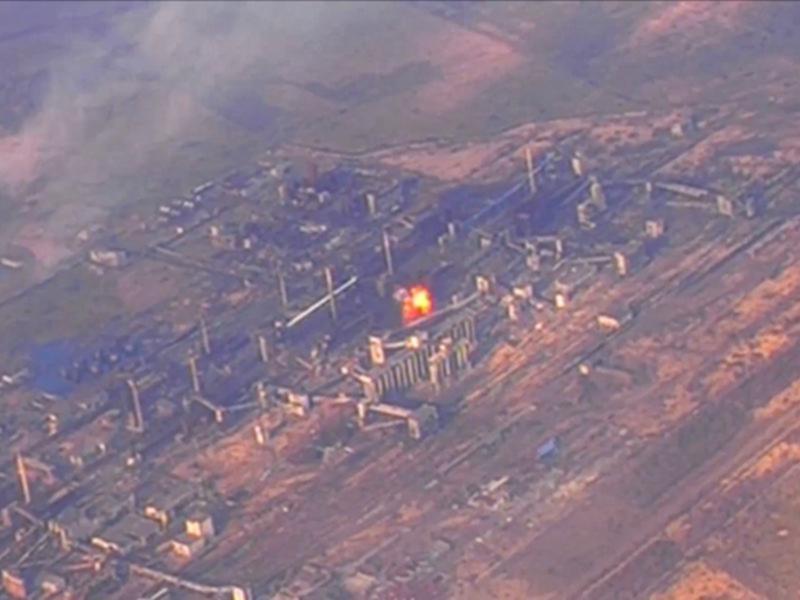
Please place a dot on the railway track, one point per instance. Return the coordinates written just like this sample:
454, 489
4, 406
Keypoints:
678, 285
703, 492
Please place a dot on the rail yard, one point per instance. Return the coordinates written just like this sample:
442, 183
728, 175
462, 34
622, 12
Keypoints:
343, 377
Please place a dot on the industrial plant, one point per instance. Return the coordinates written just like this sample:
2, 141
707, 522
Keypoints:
367, 384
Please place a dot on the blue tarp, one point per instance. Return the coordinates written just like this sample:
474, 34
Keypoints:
547, 450
47, 360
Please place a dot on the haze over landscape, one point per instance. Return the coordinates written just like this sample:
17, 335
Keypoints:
104, 104
399, 300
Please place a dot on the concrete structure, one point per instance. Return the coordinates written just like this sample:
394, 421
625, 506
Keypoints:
431, 361
420, 422
597, 195
16, 378
512, 308
621, 264
544, 245
654, 228
582, 212
331, 295
530, 171
204, 336
369, 199
608, 322
284, 296
186, 546
387, 252
577, 165
130, 533
109, 258
682, 189
724, 206
263, 349
10, 263
483, 284
376, 352
51, 584
22, 476
199, 523
423, 421
82, 520
137, 418
193, 373
162, 498
215, 410
15, 583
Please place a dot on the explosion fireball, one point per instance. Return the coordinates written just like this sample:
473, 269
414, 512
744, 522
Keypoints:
417, 302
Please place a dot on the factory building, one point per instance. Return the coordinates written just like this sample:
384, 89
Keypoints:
435, 361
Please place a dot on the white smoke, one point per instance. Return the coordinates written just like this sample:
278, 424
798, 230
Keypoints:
121, 101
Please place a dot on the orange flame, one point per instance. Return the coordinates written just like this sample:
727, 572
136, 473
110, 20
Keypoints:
417, 303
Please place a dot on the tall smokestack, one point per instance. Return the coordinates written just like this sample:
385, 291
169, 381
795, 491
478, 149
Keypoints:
194, 375
138, 420
531, 175
263, 349
204, 336
261, 395
371, 206
577, 164
331, 295
282, 289
23, 479
621, 263
387, 252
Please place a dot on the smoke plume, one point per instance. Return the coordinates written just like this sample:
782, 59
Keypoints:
131, 85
